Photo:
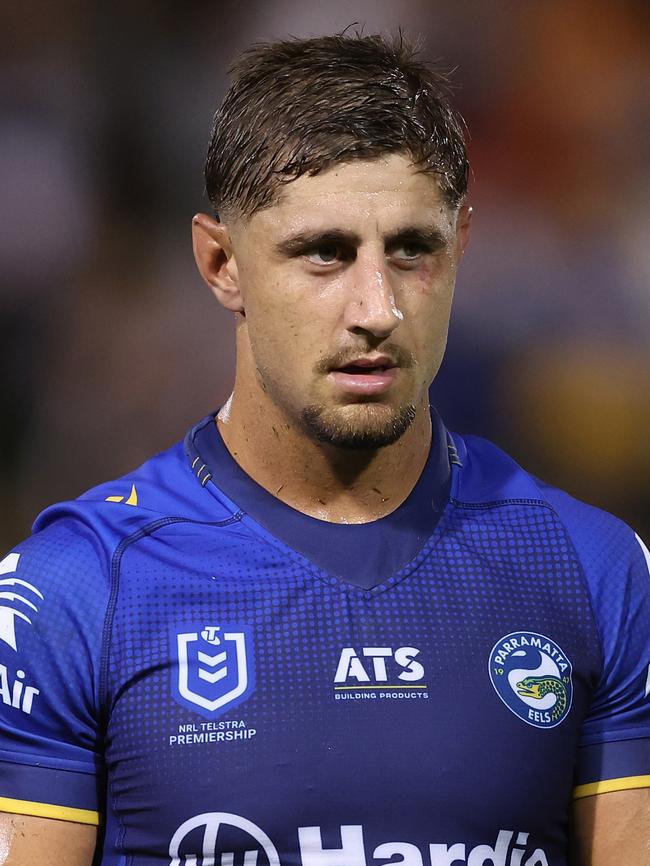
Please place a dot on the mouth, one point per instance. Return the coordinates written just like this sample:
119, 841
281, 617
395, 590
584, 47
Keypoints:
526, 692
366, 376
362, 369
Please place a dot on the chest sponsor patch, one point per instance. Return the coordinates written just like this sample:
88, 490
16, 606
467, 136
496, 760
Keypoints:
214, 670
532, 676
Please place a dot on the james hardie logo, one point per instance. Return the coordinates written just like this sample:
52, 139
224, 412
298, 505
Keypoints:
532, 676
215, 670
201, 834
13, 603
221, 838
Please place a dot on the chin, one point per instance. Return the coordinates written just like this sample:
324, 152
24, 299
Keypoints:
361, 427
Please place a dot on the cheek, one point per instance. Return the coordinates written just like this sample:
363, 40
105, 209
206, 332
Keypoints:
425, 280
427, 307
426, 298
287, 323
436, 278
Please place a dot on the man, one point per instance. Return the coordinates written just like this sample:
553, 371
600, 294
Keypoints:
325, 631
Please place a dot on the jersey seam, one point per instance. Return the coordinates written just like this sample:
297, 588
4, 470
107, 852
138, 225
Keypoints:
46, 762
497, 503
432, 541
623, 736
587, 588
143, 532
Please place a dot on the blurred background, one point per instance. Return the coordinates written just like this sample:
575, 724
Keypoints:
111, 346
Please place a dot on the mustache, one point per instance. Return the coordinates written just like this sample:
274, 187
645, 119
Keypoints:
398, 356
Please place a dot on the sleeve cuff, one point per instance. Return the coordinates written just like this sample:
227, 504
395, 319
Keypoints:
48, 810
46, 792
614, 766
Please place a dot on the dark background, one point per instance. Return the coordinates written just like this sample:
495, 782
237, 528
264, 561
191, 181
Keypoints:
111, 346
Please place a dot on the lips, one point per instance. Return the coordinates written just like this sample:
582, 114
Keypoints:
367, 365
360, 369
365, 376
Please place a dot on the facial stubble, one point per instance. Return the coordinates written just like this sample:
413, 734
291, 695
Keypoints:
345, 429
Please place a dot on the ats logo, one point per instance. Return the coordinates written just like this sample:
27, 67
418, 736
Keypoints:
215, 669
373, 672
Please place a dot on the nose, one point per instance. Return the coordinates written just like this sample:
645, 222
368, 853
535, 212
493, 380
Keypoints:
372, 308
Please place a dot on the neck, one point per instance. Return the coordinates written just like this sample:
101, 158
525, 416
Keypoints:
330, 483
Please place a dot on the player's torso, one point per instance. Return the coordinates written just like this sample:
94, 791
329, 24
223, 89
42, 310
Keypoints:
263, 713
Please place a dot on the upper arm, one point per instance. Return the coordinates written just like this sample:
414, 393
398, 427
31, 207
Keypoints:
25, 840
52, 605
612, 828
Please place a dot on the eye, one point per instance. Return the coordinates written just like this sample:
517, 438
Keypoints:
409, 251
324, 254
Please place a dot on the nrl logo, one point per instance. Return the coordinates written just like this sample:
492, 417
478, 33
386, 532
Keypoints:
214, 669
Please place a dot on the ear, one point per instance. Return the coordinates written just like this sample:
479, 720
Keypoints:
463, 223
215, 259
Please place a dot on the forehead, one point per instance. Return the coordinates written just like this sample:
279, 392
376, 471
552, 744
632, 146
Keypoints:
387, 191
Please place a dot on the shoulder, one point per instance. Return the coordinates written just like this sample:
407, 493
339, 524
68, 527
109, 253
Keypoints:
164, 487
74, 542
606, 546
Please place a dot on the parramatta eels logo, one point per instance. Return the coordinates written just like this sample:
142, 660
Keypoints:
532, 676
214, 669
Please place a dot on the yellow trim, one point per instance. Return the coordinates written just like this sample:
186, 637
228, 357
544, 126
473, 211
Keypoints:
609, 785
47, 810
349, 688
133, 497
114, 498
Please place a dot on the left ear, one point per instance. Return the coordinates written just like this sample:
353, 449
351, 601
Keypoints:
215, 259
463, 223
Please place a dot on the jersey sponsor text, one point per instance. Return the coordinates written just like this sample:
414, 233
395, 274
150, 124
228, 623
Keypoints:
202, 834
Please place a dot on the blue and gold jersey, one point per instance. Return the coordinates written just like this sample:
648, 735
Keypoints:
218, 680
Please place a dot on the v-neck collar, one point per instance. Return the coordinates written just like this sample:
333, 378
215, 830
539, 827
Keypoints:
364, 555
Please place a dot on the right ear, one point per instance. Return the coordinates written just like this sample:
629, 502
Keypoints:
215, 259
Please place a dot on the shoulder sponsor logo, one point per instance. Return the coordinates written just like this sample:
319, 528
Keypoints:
532, 676
14, 691
18, 600
214, 670
383, 672
220, 838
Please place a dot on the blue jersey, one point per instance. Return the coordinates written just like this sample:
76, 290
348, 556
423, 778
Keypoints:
217, 680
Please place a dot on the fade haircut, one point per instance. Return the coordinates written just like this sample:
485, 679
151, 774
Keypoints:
300, 106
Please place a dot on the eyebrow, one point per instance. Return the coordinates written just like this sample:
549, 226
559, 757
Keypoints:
296, 244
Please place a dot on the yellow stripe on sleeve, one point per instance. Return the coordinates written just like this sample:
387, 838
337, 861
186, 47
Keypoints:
47, 810
605, 787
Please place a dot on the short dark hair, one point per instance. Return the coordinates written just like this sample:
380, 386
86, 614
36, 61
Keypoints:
298, 106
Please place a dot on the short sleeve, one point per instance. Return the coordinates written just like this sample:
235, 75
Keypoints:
614, 752
614, 743
53, 599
